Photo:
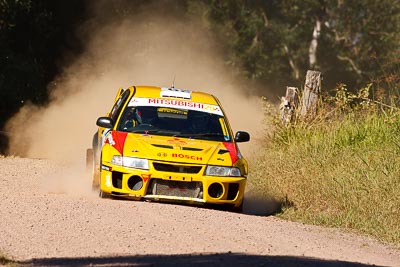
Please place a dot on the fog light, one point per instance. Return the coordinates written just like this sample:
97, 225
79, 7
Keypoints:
215, 190
135, 183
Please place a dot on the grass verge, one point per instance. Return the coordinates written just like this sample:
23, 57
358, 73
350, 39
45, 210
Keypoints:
338, 172
4, 261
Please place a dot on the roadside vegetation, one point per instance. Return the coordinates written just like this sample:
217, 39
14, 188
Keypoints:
340, 169
5, 261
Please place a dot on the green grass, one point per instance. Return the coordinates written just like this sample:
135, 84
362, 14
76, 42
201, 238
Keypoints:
342, 171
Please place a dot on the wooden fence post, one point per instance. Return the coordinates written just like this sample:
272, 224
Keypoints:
288, 105
312, 89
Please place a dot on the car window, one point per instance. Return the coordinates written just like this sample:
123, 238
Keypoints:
118, 105
174, 122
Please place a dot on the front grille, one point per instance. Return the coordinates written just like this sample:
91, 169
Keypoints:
176, 168
175, 188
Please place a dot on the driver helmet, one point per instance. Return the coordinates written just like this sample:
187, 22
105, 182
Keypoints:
146, 115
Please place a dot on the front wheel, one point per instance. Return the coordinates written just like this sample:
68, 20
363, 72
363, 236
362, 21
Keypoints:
92, 169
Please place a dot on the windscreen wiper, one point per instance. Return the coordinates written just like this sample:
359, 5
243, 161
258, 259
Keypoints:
145, 131
198, 134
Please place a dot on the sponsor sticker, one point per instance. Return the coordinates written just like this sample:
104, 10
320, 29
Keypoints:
175, 103
161, 155
185, 156
177, 141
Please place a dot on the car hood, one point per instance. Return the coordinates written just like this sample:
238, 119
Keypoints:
173, 149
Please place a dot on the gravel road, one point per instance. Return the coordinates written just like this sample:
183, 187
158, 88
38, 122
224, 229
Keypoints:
50, 217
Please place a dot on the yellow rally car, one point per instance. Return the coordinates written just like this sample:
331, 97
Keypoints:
167, 144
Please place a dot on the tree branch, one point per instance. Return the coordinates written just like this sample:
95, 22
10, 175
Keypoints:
353, 65
265, 18
291, 63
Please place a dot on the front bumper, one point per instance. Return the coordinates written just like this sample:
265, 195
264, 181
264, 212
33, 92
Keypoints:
172, 182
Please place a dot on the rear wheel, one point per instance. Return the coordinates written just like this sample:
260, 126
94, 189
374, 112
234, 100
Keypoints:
103, 195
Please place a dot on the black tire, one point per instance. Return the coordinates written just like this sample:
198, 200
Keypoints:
92, 169
96, 170
103, 195
95, 177
95, 164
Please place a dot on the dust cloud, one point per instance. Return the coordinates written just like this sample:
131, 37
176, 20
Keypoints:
153, 48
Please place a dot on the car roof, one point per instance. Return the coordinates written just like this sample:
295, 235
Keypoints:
158, 92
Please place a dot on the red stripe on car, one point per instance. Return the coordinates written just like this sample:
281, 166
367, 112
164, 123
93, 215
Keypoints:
233, 151
119, 139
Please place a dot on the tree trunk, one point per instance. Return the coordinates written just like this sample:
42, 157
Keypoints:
314, 44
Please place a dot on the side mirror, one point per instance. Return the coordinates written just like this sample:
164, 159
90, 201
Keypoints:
105, 122
242, 137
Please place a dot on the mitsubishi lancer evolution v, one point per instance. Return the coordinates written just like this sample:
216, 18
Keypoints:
168, 144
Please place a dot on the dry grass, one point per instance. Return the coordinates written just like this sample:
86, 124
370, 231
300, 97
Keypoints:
5, 261
341, 170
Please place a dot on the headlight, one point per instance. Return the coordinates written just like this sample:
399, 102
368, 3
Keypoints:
222, 171
136, 163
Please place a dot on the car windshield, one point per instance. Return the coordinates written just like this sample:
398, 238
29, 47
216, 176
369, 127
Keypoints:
174, 122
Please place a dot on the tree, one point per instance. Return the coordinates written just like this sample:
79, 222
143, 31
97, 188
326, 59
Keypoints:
31, 36
365, 36
351, 42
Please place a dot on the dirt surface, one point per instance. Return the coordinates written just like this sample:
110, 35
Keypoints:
49, 218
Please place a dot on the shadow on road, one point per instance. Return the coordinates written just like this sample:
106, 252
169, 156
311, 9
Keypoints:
197, 260
255, 203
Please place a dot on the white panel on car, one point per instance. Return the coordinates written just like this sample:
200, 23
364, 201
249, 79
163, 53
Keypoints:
177, 93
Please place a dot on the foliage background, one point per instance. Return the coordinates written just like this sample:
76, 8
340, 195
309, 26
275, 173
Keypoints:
268, 42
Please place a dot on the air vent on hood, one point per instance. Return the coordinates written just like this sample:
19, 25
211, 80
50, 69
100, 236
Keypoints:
192, 149
183, 148
163, 146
